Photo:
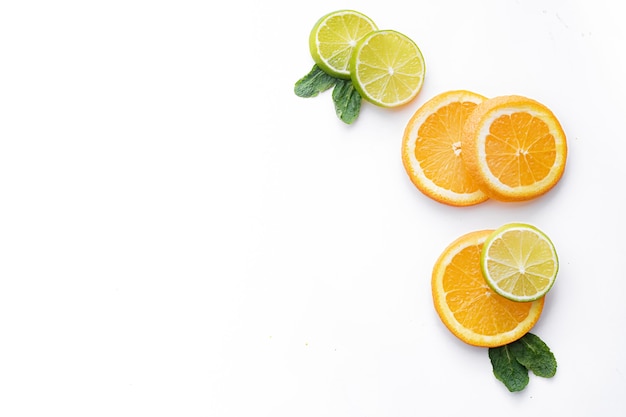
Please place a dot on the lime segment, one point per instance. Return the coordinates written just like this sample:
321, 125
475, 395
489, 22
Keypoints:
519, 262
387, 68
334, 37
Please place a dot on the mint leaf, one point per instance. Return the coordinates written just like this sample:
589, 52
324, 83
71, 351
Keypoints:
315, 82
535, 355
512, 362
345, 97
507, 369
347, 101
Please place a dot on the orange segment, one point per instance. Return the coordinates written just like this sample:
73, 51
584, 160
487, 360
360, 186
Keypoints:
468, 307
514, 147
431, 149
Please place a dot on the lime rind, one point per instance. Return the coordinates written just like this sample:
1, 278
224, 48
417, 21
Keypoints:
333, 38
521, 266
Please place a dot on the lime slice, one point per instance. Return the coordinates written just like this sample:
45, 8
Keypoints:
387, 68
519, 262
333, 38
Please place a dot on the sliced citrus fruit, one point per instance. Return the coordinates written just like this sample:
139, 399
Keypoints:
333, 38
519, 262
387, 68
431, 149
514, 147
468, 307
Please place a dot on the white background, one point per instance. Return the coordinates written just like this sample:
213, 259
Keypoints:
180, 235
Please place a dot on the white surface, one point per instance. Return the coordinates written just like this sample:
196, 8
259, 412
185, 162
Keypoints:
180, 235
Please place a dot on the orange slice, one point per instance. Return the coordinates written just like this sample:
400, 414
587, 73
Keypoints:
468, 307
431, 149
514, 147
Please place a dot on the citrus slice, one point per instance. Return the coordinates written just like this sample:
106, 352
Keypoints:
468, 307
387, 68
519, 262
514, 147
431, 149
333, 38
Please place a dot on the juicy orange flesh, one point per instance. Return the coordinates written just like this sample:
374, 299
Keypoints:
438, 147
523, 262
520, 149
338, 37
474, 305
389, 75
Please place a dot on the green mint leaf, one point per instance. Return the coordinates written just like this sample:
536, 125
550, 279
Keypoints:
535, 355
347, 101
507, 369
315, 82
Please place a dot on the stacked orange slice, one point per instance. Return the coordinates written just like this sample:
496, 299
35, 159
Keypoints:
468, 306
431, 149
460, 148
